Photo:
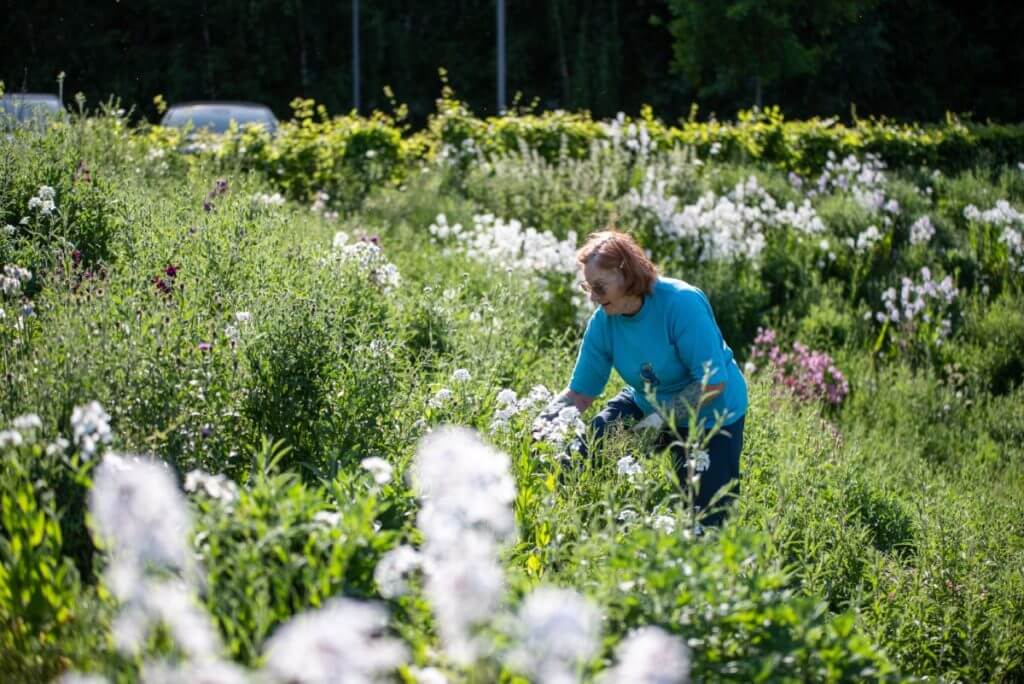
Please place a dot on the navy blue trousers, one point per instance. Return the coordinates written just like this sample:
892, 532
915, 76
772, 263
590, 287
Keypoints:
723, 449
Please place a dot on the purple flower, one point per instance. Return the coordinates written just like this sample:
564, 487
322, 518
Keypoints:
204, 346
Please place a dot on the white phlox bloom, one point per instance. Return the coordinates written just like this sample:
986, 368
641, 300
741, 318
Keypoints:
343, 641
461, 375
1005, 215
13, 278
664, 523
43, 201
628, 466
428, 675
369, 258
921, 231
565, 428
27, 422
218, 486
723, 227
198, 672
172, 604
557, 632
440, 398
90, 427
393, 569
466, 491
509, 244
138, 511
268, 200
701, 459
919, 300
10, 438
378, 468
632, 137
650, 655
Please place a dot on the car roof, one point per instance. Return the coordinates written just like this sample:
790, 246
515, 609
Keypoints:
219, 103
32, 97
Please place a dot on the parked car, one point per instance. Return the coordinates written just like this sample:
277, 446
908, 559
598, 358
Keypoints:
28, 109
215, 117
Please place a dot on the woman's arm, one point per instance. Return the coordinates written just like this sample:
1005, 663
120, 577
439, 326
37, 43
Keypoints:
567, 398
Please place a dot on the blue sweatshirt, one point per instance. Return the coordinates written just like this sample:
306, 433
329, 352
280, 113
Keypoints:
664, 346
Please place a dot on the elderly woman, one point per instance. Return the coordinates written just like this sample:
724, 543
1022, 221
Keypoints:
661, 336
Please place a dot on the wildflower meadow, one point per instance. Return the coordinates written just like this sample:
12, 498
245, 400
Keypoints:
269, 404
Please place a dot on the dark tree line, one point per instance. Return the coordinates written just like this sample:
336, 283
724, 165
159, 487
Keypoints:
909, 59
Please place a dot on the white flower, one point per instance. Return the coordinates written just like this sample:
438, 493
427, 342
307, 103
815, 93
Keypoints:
506, 397
90, 426
650, 655
378, 468
466, 492
393, 569
208, 671
921, 231
428, 675
138, 511
626, 516
242, 317
29, 421
57, 447
327, 518
10, 438
558, 631
440, 398
344, 641
461, 375
627, 465
215, 486
701, 459
664, 523
10, 230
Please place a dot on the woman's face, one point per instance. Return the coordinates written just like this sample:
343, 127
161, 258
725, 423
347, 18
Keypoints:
606, 288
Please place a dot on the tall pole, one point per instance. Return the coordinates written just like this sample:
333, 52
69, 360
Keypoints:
355, 55
501, 56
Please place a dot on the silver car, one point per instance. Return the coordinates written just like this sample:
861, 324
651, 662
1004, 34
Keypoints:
215, 117
28, 109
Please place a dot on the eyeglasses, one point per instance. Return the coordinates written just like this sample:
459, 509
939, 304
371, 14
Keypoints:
598, 288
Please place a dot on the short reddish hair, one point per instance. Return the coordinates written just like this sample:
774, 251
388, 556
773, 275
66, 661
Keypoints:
612, 249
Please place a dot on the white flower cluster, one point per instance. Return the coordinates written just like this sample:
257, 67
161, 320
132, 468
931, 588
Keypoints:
723, 227
43, 201
922, 231
13, 278
453, 154
1012, 221
628, 466
509, 245
560, 430
370, 259
26, 424
90, 427
233, 331
509, 405
633, 137
268, 200
343, 641
864, 179
379, 469
440, 398
142, 520
867, 239
650, 655
218, 487
466, 492
557, 632
914, 298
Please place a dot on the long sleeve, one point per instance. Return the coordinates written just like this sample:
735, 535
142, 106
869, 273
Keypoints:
594, 362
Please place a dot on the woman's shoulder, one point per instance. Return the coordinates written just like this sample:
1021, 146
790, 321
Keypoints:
678, 292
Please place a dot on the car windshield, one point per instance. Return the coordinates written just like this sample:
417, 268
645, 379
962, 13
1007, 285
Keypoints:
216, 118
28, 107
